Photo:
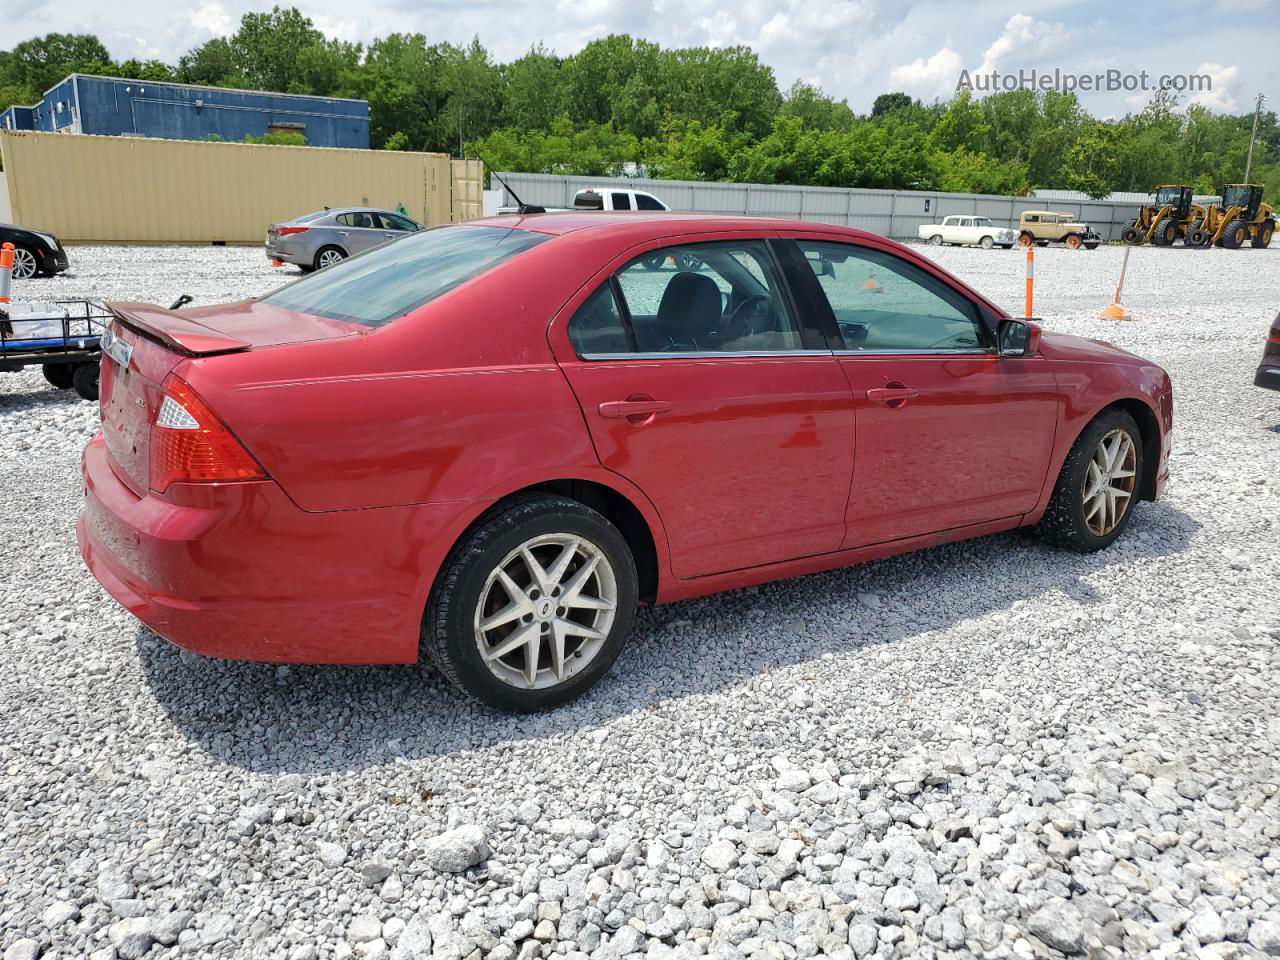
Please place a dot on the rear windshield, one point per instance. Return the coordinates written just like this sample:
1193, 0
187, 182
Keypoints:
389, 281
310, 216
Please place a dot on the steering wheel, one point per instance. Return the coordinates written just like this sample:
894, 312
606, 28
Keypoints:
739, 323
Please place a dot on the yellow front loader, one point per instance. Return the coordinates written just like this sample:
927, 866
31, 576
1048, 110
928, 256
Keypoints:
1171, 217
1242, 216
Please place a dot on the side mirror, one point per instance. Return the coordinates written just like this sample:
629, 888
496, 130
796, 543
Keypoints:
1018, 338
826, 268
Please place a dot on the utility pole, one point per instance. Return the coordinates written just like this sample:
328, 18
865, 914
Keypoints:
1257, 109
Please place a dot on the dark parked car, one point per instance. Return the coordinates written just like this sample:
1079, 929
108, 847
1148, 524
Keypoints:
35, 252
1268, 374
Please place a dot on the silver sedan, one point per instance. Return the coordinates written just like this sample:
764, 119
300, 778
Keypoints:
326, 237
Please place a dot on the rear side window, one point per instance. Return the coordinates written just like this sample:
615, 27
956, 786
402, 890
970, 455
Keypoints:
646, 202
391, 280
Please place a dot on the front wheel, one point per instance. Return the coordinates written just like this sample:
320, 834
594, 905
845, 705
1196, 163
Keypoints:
25, 264
85, 380
986, 243
654, 262
533, 605
1074, 241
1094, 496
687, 261
1132, 236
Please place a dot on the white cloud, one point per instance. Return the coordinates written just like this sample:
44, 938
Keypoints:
1024, 37
212, 17
933, 77
1223, 82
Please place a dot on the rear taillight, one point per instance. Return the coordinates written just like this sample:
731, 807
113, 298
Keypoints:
191, 445
287, 231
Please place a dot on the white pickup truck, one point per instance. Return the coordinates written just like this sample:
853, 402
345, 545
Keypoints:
606, 198
968, 231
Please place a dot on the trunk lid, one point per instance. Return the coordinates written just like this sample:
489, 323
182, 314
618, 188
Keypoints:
143, 345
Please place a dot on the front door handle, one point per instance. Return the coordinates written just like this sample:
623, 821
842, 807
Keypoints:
893, 396
635, 409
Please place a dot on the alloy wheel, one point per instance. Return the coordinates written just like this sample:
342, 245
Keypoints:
24, 264
1109, 482
546, 610
329, 257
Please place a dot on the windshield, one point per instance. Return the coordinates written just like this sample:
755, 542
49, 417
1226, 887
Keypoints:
1235, 197
389, 281
308, 217
1169, 195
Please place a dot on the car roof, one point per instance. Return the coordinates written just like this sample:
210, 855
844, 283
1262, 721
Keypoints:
656, 223
1052, 213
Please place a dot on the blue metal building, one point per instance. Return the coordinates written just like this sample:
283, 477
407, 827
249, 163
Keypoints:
111, 106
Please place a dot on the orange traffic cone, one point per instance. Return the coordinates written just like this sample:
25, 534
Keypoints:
1116, 310
872, 285
6, 270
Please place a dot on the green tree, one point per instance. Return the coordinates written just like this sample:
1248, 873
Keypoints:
212, 64
889, 102
815, 108
536, 90
35, 65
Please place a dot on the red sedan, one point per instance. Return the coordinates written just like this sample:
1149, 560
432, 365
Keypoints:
490, 441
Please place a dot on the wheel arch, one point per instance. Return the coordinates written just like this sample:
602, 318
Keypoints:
1149, 431
639, 526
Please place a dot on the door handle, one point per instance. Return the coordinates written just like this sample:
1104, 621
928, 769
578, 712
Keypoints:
344, 233
893, 396
637, 410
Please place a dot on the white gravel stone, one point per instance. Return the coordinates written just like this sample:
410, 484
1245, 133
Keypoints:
24, 949
1092, 736
456, 850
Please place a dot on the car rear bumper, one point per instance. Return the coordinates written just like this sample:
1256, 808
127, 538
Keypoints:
1268, 376
238, 571
287, 256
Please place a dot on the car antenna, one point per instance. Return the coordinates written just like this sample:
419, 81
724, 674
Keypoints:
521, 206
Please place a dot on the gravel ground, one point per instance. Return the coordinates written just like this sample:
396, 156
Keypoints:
986, 749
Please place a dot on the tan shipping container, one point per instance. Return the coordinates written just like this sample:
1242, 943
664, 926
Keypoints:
135, 190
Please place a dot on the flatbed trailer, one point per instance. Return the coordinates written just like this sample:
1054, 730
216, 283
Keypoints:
68, 356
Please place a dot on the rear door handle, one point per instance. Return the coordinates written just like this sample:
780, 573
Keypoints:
893, 397
634, 410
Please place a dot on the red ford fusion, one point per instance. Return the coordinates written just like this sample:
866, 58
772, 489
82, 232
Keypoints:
489, 442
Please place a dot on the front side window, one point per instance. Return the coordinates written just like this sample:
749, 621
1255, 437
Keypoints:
621, 201
646, 202
393, 221
884, 303
385, 283
713, 298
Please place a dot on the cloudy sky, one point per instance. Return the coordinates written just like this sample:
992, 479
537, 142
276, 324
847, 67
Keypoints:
851, 48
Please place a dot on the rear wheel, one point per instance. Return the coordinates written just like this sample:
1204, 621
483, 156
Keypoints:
85, 380
533, 605
1262, 239
654, 262
1196, 237
935, 240
25, 263
1165, 234
59, 374
1094, 496
1025, 239
687, 261
328, 256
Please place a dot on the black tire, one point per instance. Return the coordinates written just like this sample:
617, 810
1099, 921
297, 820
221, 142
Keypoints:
448, 628
1073, 241
85, 380
26, 263
654, 262
1064, 522
1262, 239
1166, 234
1132, 236
1197, 238
59, 374
687, 261
1233, 236
1091, 245
328, 250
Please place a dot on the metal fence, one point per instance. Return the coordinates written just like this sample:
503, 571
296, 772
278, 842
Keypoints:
893, 213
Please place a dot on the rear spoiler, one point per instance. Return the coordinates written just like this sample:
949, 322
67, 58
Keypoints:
174, 330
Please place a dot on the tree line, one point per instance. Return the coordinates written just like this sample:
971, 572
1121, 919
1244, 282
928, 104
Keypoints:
623, 104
